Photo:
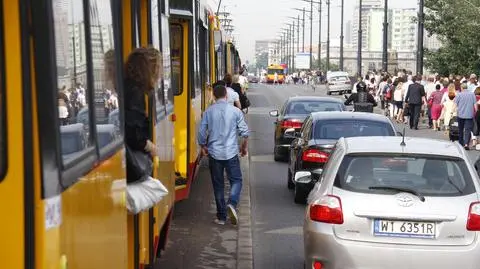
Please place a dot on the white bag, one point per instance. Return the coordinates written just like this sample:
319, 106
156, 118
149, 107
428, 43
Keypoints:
144, 195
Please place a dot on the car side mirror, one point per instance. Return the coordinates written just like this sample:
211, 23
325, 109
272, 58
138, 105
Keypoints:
274, 113
290, 133
317, 172
303, 177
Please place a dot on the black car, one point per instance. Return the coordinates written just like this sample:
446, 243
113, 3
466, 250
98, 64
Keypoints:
312, 145
293, 113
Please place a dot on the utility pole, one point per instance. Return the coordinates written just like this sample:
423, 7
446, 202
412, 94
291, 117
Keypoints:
421, 20
311, 32
320, 35
298, 33
293, 46
341, 35
303, 29
328, 35
359, 40
385, 38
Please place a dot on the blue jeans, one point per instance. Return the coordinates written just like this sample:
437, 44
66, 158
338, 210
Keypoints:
465, 127
234, 174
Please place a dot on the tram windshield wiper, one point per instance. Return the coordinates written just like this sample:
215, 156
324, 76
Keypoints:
399, 189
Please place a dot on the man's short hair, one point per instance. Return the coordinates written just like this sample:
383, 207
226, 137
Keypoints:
219, 91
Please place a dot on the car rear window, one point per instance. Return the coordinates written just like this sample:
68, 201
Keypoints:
307, 107
335, 129
426, 175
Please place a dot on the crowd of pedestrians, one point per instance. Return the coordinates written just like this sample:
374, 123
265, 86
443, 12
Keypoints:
443, 102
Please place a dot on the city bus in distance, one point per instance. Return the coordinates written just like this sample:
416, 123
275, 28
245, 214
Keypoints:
274, 68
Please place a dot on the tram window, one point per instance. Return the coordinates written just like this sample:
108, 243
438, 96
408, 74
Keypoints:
103, 59
155, 30
73, 122
176, 35
167, 64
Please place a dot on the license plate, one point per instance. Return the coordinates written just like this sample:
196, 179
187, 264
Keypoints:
411, 229
455, 124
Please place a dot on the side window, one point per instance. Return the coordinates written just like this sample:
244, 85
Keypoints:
103, 58
176, 35
167, 68
3, 127
70, 46
306, 129
155, 30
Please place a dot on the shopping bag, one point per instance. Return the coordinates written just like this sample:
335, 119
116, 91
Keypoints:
144, 195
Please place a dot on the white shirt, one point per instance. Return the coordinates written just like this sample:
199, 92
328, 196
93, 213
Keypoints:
243, 81
62, 112
405, 88
232, 96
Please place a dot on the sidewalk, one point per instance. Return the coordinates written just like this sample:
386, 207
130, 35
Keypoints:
196, 242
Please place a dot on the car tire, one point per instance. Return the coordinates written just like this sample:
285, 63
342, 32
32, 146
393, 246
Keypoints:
290, 184
300, 197
277, 157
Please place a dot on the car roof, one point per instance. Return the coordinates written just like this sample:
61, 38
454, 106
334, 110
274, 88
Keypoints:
391, 144
314, 98
345, 115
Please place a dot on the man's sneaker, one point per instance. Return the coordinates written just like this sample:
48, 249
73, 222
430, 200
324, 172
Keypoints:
232, 214
219, 222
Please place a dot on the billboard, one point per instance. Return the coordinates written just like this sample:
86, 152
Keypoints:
302, 60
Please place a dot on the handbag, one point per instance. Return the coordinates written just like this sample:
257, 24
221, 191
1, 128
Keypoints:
139, 165
144, 195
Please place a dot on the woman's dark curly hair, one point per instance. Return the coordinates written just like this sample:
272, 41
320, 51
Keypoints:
142, 67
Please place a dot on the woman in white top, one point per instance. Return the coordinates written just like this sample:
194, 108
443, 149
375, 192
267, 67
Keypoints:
398, 95
62, 112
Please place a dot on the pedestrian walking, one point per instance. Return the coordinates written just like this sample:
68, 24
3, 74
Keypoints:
414, 99
218, 138
465, 101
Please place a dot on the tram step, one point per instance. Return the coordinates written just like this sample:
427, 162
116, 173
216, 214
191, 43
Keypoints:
181, 181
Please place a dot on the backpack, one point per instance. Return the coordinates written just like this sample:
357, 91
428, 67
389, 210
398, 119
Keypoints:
387, 92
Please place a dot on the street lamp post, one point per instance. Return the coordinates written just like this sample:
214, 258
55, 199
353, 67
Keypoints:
311, 32
385, 38
298, 33
359, 40
320, 35
303, 30
341, 35
421, 21
328, 35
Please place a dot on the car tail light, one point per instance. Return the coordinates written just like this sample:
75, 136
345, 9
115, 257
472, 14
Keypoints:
291, 124
317, 265
328, 209
473, 222
315, 156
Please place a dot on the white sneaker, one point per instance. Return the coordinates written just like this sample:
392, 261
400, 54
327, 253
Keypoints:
232, 214
219, 222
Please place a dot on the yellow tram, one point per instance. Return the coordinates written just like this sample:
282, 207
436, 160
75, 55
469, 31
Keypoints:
62, 164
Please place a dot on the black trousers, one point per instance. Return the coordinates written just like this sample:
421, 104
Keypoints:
414, 114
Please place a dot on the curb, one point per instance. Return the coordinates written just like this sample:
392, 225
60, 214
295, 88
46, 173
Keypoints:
244, 240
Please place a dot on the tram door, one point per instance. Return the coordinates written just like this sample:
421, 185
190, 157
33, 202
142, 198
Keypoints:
179, 44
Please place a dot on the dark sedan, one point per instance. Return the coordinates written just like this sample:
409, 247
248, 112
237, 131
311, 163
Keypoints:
312, 145
293, 113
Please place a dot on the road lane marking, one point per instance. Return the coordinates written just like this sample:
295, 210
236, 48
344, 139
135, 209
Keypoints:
262, 158
295, 230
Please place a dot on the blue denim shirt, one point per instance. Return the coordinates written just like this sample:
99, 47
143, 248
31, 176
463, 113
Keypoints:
219, 130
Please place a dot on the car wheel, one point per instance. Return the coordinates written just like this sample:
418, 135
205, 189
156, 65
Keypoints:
300, 197
276, 156
290, 183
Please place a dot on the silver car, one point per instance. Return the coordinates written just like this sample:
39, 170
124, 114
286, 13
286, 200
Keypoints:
381, 203
339, 84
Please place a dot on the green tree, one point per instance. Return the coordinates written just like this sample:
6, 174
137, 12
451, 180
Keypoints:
455, 23
262, 60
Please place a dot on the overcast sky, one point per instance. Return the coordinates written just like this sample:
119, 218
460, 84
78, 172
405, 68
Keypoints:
263, 19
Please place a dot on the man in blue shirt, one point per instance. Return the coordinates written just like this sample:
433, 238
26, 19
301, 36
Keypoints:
465, 101
218, 136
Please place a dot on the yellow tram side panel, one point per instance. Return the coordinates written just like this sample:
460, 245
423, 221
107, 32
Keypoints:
12, 186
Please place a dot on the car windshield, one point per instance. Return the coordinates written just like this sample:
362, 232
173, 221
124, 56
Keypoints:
307, 107
273, 71
424, 175
334, 129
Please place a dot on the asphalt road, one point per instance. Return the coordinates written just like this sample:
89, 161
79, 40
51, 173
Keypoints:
276, 219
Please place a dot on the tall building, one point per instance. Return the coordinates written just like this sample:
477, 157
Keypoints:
403, 32
370, 14
431, 42
348, 32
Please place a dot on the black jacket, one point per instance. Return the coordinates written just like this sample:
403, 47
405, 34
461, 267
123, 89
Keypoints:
415, 94
355, 99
